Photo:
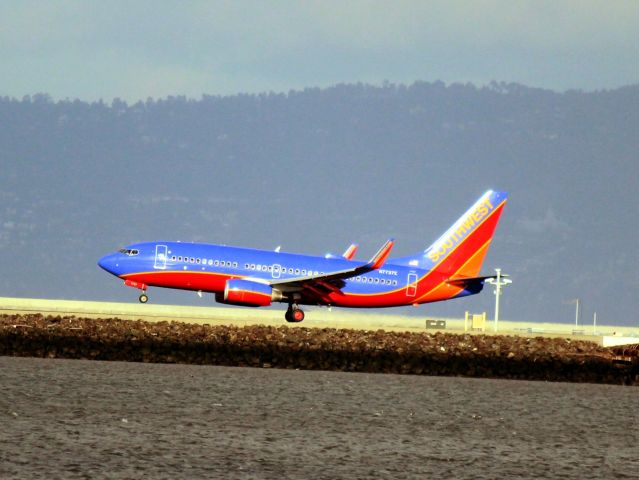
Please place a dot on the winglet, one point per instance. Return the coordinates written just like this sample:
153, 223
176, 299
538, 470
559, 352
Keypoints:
380, 257
350, 252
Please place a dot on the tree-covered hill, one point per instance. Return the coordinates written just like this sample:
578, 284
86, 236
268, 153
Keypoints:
316, 169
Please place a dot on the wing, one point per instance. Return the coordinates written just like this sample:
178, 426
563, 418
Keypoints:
321, 285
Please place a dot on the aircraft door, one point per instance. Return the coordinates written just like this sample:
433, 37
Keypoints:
160, 257
411, 284
277, 270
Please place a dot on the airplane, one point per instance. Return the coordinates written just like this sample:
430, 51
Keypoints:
447, 269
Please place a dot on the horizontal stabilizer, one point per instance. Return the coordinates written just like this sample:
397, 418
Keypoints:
466, 281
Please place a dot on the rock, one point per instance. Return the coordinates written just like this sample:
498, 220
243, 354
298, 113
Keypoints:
378, 351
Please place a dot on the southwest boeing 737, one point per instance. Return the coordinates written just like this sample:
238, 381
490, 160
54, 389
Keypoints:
448, 269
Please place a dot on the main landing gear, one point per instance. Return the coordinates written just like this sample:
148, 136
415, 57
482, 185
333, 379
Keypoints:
294, 314
143, 298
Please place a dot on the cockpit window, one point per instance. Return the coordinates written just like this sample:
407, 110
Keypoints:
129, 251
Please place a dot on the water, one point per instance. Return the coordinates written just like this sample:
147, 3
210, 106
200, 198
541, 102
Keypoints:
82, 419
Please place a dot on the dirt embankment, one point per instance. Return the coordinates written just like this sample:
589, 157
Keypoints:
553, 359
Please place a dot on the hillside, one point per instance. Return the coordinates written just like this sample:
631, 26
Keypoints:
314, 170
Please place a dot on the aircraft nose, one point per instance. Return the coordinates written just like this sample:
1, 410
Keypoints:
108, 263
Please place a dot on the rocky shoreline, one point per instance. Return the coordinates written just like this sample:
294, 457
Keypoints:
488, 356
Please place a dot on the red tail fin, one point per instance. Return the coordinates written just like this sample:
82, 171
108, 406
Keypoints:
461, 250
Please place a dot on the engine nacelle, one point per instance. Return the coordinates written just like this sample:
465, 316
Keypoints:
248, 293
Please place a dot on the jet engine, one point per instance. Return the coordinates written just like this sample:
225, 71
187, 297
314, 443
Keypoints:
248, 293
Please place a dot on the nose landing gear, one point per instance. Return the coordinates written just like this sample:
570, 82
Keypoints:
140, 286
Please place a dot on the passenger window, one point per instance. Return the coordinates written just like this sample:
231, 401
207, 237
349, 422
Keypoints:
216, 263
234, 264
197, 261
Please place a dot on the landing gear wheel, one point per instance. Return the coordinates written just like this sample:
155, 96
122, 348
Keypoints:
143, 298
298, 315
294, 315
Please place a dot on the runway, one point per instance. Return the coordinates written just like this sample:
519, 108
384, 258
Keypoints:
316, 317
87, 419
238, 316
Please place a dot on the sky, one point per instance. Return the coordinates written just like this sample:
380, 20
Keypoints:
138, 49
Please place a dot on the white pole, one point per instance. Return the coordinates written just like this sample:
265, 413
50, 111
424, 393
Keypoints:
499, 281
497, 293
594, 323
577, 313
